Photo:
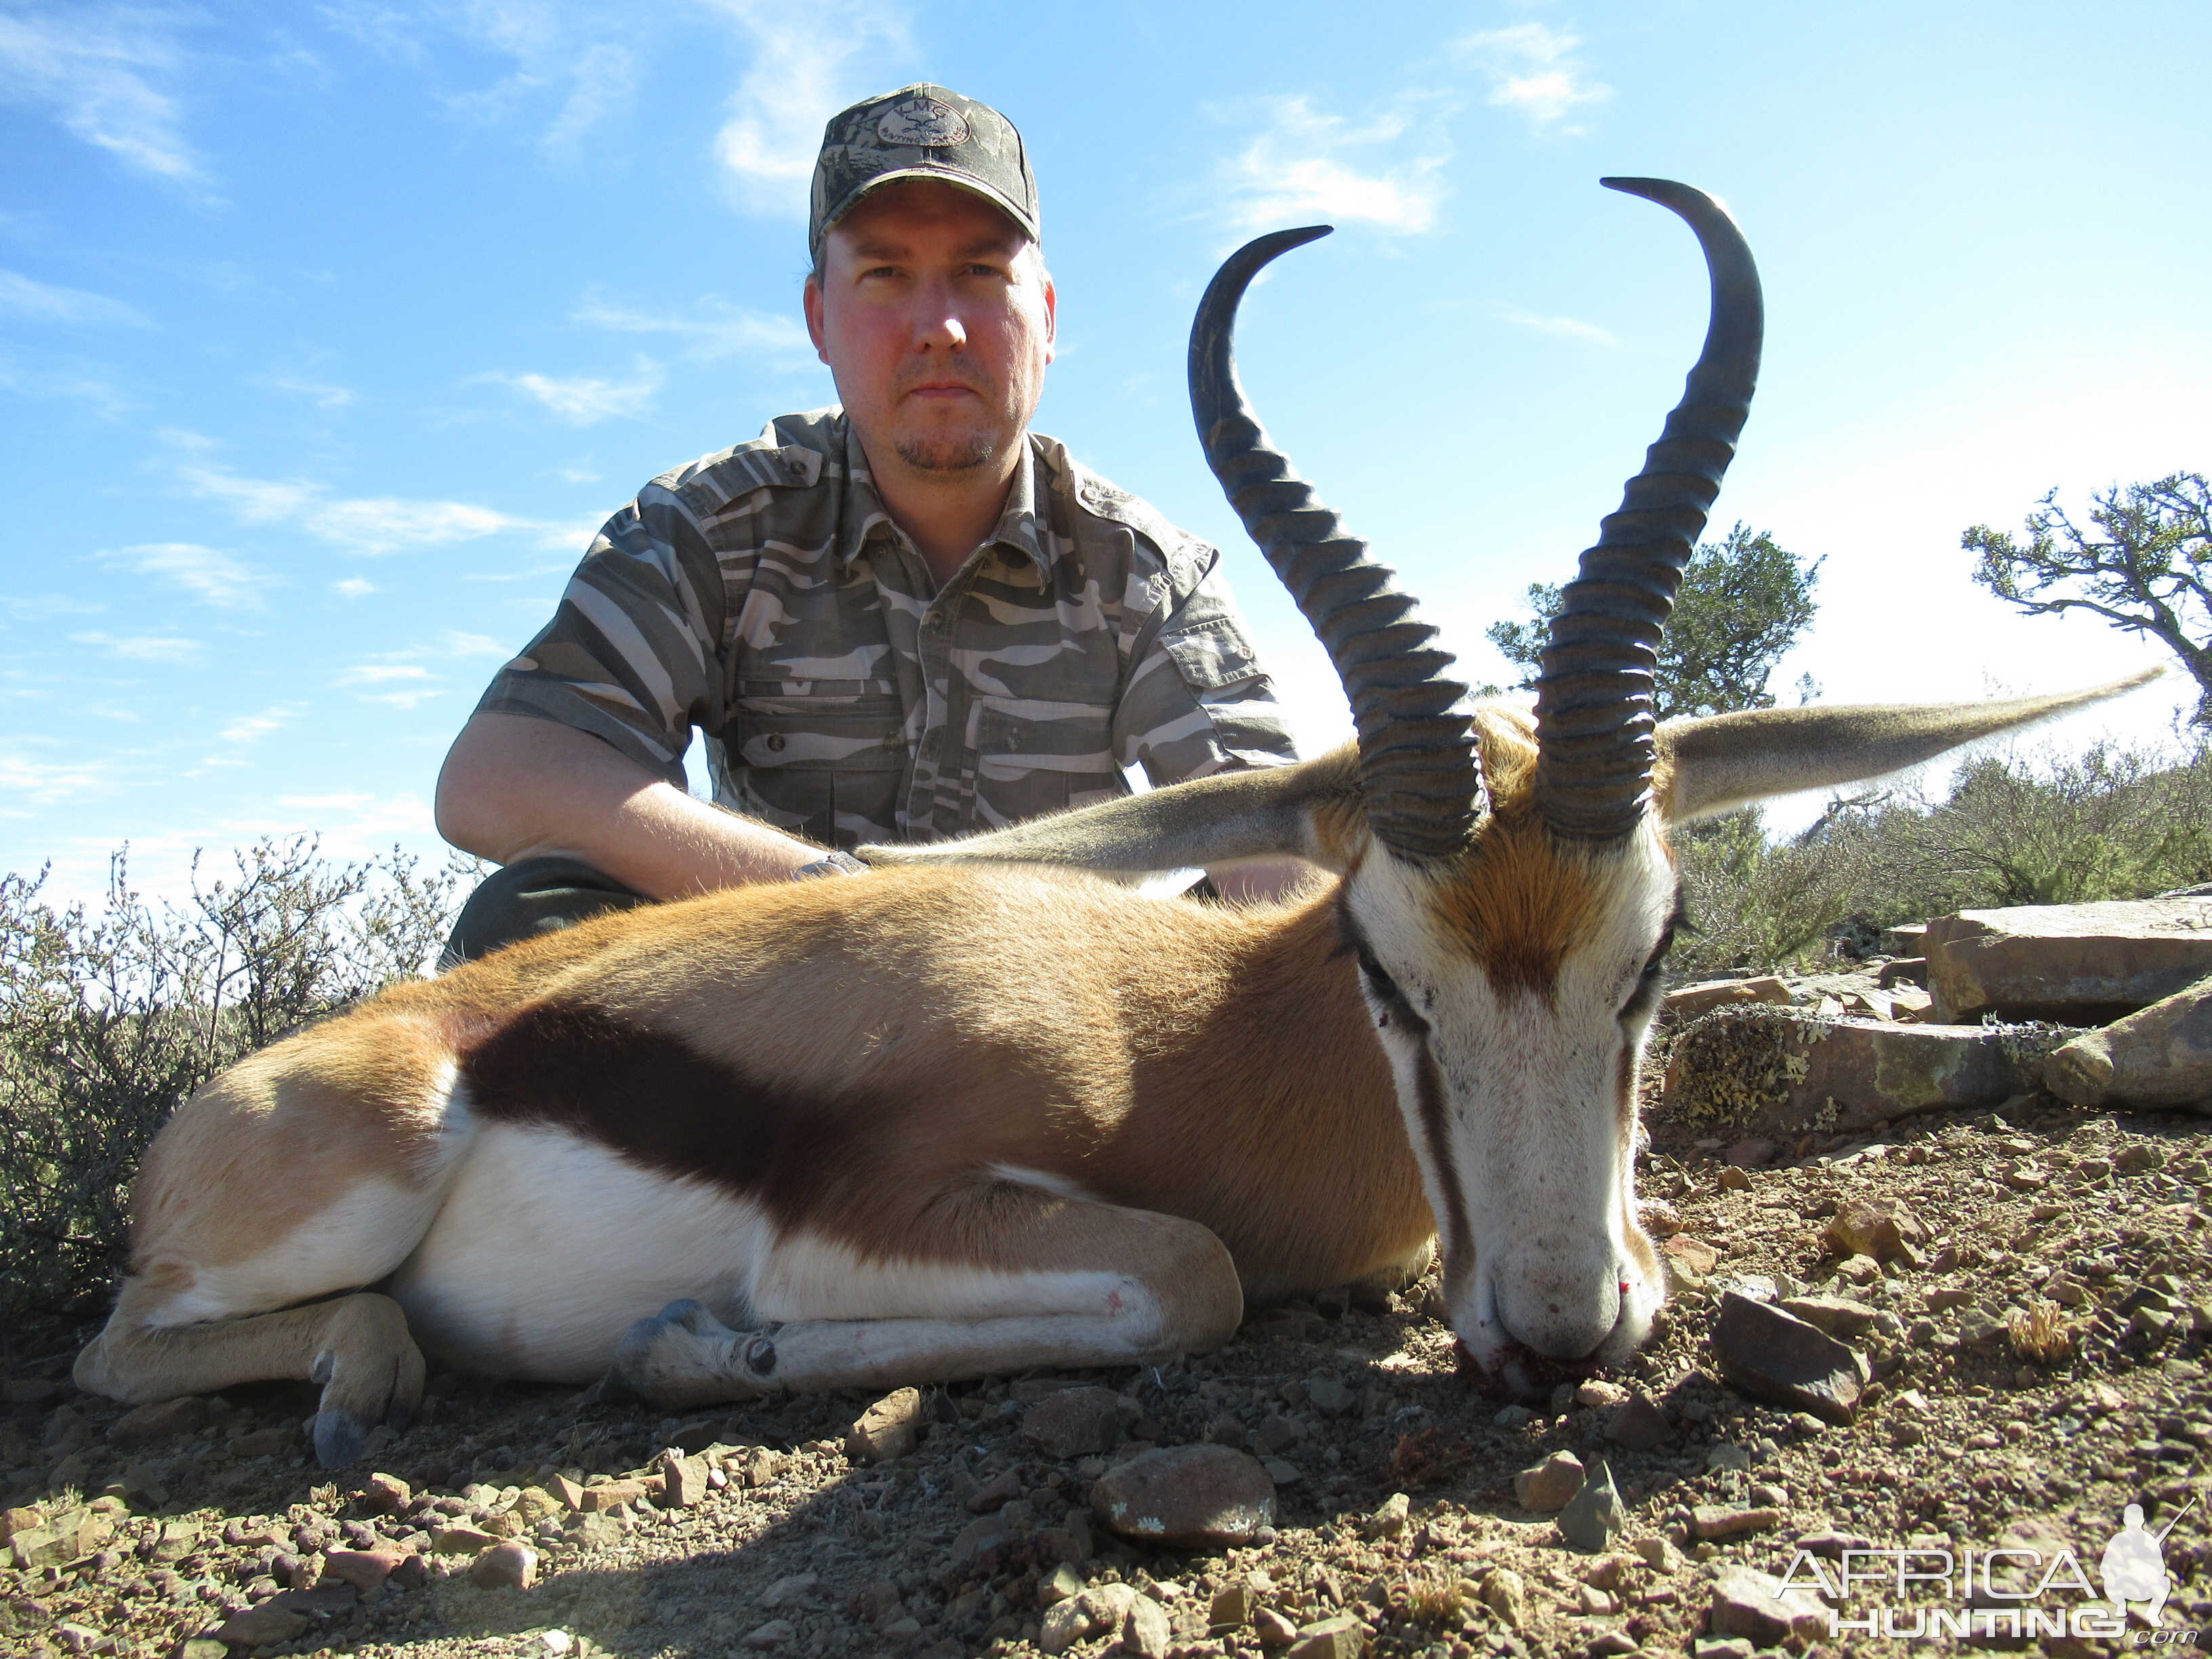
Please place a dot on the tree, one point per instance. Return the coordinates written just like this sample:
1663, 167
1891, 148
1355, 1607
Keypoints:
1744, 601
2141, 565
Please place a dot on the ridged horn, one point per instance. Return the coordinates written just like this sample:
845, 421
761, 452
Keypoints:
1421, 777
1594, 708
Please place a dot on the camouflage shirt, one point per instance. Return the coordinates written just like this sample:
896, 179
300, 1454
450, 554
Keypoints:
765, 596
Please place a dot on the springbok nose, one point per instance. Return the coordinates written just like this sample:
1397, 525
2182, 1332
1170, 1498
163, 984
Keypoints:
1556, 1299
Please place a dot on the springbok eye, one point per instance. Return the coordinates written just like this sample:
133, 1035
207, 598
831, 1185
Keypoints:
1378, 981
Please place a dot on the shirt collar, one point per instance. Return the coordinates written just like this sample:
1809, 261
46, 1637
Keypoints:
865, 515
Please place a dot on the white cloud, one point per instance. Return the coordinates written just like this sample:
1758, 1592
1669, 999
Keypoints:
250, 728
604, 76
145, 647
799, 77
368, 525
712, 329
325, 803
93, 67
353, 587
323, 396
582, 401
454, 643
1295, 169
44, 302
29, 608
1570, 328
1532, 68
379, 673
87, 383
215, 576
33, 782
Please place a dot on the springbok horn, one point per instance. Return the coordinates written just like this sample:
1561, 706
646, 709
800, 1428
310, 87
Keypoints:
1421, 777
1593, 712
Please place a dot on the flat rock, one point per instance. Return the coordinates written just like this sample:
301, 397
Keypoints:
1785, 1073
683, 1480
2083, 964
1688, 1001
1717, 1521
1546, 1486
270, 1621
1145, 1632
1883, 1228
1839, 1316
1776, 1355
887, 1429
1330, 1397
365, 1569
2160, 1056
773, 1634
1187, 1496
1074, 1422
1753, 1605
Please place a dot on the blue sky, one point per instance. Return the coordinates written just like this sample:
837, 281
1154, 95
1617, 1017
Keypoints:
329, 332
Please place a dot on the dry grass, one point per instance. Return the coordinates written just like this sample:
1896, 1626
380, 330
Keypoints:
2040, 1334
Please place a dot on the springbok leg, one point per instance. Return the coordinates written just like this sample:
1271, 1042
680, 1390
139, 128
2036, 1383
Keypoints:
1005, 1277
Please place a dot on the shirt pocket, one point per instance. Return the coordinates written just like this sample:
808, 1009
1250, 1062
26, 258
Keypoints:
1034, 757
827, 767
1212, 656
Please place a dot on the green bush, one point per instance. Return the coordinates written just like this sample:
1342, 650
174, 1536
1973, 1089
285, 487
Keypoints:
108, 1018
2109, 824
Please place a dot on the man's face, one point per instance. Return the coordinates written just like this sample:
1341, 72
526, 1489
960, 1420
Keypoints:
935, 316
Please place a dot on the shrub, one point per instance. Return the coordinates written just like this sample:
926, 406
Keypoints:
2109, 824
108, 1019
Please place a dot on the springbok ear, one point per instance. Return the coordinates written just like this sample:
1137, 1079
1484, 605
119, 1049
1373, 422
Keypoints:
1725, 760
1310, 810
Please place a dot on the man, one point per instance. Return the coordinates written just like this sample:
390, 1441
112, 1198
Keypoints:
903, 619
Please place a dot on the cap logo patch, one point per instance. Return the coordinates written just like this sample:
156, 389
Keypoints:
922, 123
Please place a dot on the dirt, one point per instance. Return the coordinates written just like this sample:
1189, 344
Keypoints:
1962, 1438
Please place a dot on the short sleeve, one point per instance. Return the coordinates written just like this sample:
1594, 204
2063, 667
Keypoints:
632, 654
1197, 700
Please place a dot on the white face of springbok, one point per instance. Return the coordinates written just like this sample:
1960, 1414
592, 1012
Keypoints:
1512, 988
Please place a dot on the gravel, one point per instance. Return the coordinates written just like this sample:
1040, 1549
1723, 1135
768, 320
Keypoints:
2036, 1359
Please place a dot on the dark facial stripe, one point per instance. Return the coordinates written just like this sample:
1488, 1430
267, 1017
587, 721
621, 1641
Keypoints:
649, 1098
1436, 1132
1653, 983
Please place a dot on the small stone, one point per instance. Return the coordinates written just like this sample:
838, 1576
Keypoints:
1776, 1355
1000, 1489
1734, 1179
1752, 1153
461, 1540
1512, 1417
610, 1494
365, 1569
1753, 1605
1074, 1422
792, 1590
1599, 1393
1391, 1517
201, 1647
887, 1429
1341, 1638
1101, 1608
566, 1492
2139, 1157
1594, 1516
1883, 1228
875, 1598
1692, 1254
1146, 1633
773, 1634
263, 1442
1661, 1219
1830, 1545
1640, 1424
1716, 1521
1546, 1486
1657, 1554
1233, 1606
1505, 1594
165, 1420
683, 1480
986, 1533
1187, 1496
505, 1567
1273, 1629
1056, 1586
172, 1541
1839, 1316
556, 1643
1329, 1397
270, 1621
1721, 1647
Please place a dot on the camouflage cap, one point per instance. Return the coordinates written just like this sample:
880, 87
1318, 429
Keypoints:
921, 132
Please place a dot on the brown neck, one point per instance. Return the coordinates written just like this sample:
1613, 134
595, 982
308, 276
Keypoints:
1308, 1178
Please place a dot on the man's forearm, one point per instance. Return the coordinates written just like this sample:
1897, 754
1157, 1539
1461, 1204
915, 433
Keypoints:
514, 788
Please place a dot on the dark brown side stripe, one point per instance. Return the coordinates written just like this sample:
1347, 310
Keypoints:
649, 1098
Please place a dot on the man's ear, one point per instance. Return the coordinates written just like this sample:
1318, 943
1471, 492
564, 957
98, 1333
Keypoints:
812, 299
1051, 318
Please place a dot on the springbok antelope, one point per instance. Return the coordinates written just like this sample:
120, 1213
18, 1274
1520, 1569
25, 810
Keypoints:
962, 1117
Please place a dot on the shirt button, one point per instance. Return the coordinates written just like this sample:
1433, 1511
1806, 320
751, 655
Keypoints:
775, 743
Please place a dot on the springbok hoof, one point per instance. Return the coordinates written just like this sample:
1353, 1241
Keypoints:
684, 1356
340, 1438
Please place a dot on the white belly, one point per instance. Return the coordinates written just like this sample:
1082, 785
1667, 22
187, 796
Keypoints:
548, 1247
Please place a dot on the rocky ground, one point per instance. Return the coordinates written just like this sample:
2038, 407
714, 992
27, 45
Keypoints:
2035, 1359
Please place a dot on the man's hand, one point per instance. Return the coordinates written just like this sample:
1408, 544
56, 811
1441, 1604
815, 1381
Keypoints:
513, 787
